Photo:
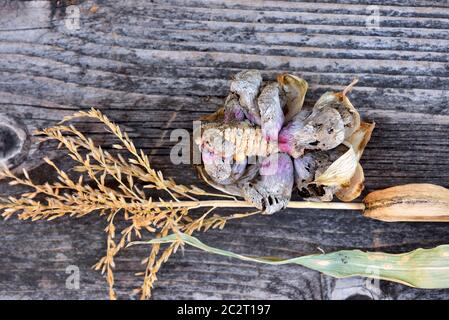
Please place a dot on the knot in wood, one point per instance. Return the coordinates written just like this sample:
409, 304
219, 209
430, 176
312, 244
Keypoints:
13, 139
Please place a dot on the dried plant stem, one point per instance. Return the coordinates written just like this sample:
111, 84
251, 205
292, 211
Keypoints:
326, 205
244, 204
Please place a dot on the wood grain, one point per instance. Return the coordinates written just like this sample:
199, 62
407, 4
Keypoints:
155, 66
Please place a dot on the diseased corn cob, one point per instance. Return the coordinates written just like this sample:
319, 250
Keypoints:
249, 142
239, 140
266, 120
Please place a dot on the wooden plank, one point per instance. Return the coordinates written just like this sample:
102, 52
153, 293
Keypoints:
156, 66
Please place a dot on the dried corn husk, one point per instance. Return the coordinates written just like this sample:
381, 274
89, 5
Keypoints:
410, 202
355, 187
341, 171
358, 140
344, 176
295, 90
421, 268
312, 165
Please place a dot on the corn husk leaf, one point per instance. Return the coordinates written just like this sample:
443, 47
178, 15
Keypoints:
421, 268
295, 89
355, 187
340, 171
359, 139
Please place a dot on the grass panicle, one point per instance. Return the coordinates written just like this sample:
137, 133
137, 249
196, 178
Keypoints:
90, 192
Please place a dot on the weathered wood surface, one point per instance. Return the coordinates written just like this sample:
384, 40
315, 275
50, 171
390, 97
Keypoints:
153, 66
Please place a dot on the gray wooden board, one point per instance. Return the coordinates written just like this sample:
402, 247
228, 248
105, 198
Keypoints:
153, 66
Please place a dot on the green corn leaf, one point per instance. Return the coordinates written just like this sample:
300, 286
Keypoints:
421, 268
